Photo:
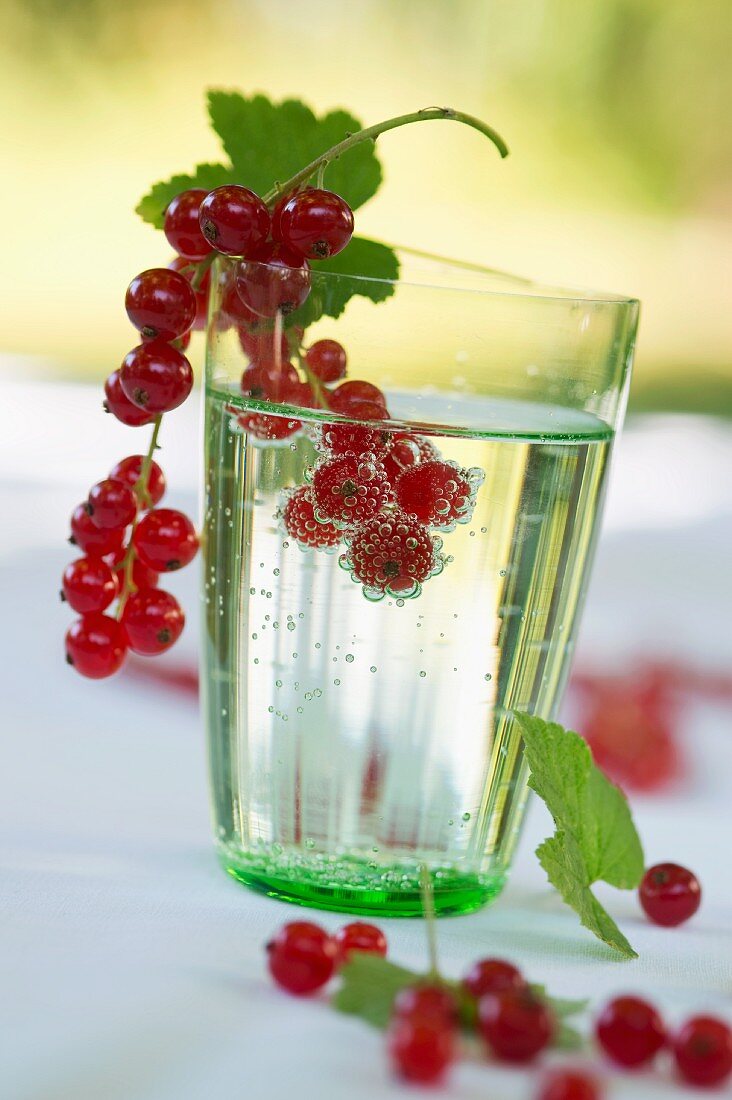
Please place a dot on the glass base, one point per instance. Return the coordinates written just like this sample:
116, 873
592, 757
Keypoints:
350, 885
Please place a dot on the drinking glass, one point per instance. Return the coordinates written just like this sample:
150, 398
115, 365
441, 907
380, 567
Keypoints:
354, 740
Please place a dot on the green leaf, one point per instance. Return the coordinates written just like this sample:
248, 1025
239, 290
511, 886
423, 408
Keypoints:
375, 267
269, 142
370, 985
153, 205
595, 838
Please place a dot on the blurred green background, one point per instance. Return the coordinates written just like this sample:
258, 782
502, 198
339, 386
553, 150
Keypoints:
617, 114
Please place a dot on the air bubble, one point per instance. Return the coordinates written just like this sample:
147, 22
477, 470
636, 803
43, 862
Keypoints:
373, 668
290, 626
278, 683
466, 816
252, 591
254, 637
487, 676
308, 696
309, 842
349, 658
502, 572
300, 710
271, 710
337, 683
317, 645
275, 572
400, 603
422, 673
317, 693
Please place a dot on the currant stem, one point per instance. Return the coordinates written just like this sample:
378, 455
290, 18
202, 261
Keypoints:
370, 133
315, 384
428, 907
201, 268
142, 493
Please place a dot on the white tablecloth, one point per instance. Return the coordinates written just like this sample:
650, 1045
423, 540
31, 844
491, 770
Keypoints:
131, 968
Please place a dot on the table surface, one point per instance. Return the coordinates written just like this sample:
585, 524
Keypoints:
132, 967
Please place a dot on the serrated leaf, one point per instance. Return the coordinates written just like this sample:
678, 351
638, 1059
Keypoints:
269, 142
153, 205
372, 269
595, 839
369, 986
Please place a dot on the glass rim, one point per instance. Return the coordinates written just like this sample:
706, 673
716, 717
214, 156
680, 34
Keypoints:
526, 288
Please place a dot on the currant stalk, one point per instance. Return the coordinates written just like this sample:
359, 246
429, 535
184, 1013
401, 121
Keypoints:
370, 133
141, 492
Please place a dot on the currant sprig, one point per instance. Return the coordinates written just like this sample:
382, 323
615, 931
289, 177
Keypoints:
126, 538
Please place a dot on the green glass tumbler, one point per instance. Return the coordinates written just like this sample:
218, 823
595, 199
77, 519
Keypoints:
358, 732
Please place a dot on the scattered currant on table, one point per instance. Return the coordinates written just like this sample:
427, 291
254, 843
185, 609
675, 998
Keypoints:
702, 1051
669, 894
359, 936
515, 1024
568, 1084
630, 1031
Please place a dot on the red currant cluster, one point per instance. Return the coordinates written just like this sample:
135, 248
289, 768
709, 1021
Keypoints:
384, 493
127, 543
273, 276
126, 539
495, 1000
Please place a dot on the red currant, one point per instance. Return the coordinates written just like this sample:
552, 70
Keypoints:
153, 621
301, 957
357, 439
112, 504
129, 470
407, 450
182, 227
267, 382
492, 976
703, 1051
180, 263
392, 553
274, 280
96, 646
426, 1001
161, 303
234, 220
118, 403
327, 360
348, 394
669, 894
315, 223
300, 523
439, 494
515, 1024
300, 394
156, 377
349, 489
165, 540
630, 1031
421, 1048
568, 1084
89, 585
91, 539
359, 936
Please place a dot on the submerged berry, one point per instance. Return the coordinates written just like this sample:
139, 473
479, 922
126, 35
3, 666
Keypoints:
298, 516
392, 553
349, 489
274, 280
437, 493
